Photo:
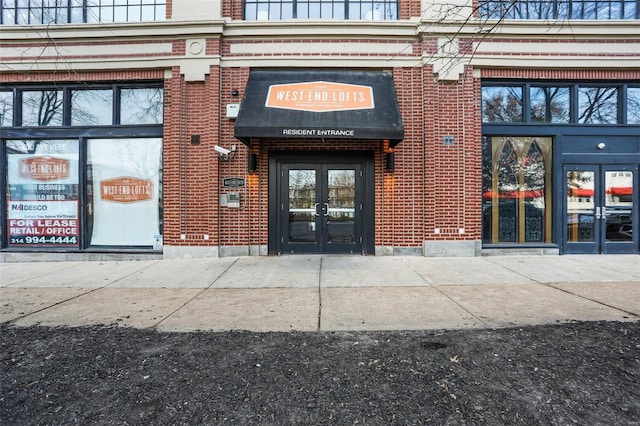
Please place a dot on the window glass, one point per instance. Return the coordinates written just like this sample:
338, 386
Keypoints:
320, 9
558, 9
141, 106
6, 109
119, 14
516, 190
630, 10
550, 104
124, 185
42, 108
42, 193
63, 11
76, 11
502, 104
633, 105
598, 105
91, 107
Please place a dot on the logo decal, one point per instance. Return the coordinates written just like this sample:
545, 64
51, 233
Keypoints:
126, 190
44, 168
320, 96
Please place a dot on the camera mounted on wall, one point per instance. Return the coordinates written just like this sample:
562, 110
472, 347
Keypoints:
224, 153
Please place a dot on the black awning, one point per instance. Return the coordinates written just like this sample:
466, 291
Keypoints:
320, 104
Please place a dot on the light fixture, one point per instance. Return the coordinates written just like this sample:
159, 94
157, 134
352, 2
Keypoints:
253, 162
390, 161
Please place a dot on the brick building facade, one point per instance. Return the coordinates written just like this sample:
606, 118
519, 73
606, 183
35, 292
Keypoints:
503, 147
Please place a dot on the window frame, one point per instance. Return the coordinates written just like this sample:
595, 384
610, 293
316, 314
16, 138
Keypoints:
574, 89
86, 6
394, 16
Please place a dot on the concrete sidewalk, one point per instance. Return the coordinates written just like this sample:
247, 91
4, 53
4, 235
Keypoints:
310, 293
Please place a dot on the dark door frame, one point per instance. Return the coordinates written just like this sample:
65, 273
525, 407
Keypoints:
364, 158
600, 244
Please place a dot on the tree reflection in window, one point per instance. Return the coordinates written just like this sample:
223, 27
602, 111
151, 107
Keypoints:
42, 108
558, 9
516, 190
597, 105
502, 104
550, 104
141, 106
507, 185
91, 107
6, 109
633, 105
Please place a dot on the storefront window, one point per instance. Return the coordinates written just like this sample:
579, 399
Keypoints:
43, 193
84, 189
141, 106
91, 107
502, 104
6, 109
633, 105
42, 108
124, 197
550, 104
516, 182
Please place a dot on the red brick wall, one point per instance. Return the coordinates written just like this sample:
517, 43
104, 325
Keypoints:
80, 76
562, 74
452, 173
191, 170
432, 186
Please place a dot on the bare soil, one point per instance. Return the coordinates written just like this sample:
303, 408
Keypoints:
576, 373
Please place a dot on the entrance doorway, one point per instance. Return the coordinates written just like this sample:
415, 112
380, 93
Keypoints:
323, 205
600, 208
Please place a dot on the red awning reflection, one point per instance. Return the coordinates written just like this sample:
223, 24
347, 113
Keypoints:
620, 190
580, 192
538, 193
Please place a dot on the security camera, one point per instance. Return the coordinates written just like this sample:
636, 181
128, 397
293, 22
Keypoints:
221, 150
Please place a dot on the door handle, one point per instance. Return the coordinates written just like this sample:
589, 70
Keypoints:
316, 214
598, 213
326, 211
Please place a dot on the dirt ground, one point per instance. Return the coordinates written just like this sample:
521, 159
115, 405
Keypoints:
577, 373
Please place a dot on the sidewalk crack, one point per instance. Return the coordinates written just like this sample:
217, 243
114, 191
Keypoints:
195, 296
92, 290
320, 296
633, 314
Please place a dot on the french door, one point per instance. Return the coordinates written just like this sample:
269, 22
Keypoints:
600, 208
320, 207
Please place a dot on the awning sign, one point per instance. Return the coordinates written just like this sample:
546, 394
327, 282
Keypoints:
314, 104
320, 96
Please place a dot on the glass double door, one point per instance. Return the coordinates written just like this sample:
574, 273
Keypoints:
600, 208
321, 208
